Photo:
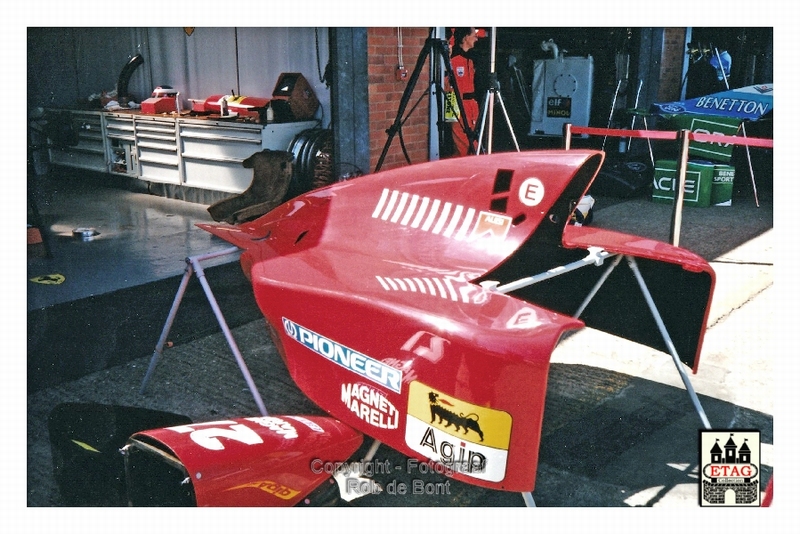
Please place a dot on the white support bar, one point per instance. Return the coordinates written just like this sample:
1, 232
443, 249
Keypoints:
670, 346
528, 498
595, 256
597, 286
372, 450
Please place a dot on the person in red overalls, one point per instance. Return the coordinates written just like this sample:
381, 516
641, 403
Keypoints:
464, 40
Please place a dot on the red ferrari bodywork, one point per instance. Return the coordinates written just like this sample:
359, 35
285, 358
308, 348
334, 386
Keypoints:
379, 294
252, 461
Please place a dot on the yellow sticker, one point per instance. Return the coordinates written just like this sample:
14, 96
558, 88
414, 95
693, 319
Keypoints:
268, 486
451, 110
466, 421
48, 279
84, 445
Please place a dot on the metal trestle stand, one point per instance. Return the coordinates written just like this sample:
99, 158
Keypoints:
595, 256
438, 52
193, 266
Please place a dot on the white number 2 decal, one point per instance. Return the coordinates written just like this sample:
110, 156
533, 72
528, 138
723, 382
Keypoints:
208, 438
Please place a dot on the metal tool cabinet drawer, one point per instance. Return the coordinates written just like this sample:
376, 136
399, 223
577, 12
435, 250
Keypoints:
90, 151
157, 149
121, 142
220, 143
213, 152
119, 126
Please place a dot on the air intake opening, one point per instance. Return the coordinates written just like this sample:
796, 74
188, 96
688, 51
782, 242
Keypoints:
502, 181
156, 478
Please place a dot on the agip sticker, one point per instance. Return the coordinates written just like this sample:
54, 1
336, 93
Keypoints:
468, 439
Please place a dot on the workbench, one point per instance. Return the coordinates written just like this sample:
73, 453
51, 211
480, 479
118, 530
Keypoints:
203, 152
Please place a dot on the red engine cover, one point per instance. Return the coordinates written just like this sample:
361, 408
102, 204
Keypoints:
371, 289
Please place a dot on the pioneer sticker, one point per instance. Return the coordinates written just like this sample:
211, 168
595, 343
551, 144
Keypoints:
469, 439
370, 405
351, 360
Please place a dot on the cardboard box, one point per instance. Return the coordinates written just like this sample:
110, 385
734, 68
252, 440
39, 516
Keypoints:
707, 124
697, 189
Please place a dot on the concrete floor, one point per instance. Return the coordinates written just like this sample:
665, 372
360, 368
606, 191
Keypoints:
140, 237
619, 430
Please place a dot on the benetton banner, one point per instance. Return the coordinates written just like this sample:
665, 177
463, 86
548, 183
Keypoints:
746, 103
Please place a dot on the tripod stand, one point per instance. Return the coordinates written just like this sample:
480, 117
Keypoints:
436, 49
488, 103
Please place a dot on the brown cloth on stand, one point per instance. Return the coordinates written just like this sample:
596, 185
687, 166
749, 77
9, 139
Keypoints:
272, 173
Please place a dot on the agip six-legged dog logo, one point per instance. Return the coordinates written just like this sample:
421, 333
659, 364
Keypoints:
463, 436
467, 422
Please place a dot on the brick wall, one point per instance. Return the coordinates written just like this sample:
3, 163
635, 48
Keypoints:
385, 93
672, 57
